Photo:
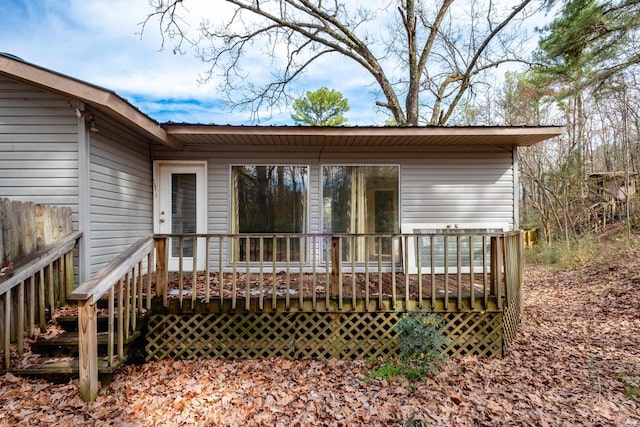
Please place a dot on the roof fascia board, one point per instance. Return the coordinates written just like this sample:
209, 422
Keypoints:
540, 132
187, 129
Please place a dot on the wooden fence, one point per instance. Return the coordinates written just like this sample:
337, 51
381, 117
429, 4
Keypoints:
27, 227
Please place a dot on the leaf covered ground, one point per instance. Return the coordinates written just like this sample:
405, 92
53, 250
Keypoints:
576, 361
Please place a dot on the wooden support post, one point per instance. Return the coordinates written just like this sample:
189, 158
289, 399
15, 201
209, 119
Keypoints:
120, 319
6, 333
335, 265
42, 318
62, 290
497, 274
494, 265
32, 306
162, 268
509, 265
88, 345
52, 297
20, 320
69, 276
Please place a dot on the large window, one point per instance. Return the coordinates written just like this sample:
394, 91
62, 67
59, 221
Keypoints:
363, 200
269, 200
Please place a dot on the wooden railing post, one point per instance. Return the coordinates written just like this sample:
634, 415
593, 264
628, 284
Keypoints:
69, 274
162, 267
88, 347
335, 265
88, 293
493, 257
497, 258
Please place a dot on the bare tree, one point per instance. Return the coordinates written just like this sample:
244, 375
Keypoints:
423, 56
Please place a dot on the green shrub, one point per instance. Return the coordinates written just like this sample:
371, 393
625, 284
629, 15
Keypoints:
422, 343
422, 348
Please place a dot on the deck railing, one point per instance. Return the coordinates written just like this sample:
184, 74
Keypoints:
37, 286
127, 283
396, 271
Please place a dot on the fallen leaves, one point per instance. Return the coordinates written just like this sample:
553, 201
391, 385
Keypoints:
572, 363
7, 269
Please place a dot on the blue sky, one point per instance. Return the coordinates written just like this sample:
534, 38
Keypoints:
99, 41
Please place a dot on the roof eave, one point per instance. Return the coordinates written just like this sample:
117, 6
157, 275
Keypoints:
104, 100
518, 135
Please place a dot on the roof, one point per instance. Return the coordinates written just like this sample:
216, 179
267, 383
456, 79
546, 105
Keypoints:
615, 174
98, 97
176, 135
308, 136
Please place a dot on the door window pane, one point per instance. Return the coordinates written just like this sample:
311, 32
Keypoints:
183, 212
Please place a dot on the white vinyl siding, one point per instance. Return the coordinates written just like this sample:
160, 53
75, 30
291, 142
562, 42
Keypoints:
121, 208
458, 187
38, 146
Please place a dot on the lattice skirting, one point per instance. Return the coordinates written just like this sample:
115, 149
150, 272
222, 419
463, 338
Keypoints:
304, 335
512, 318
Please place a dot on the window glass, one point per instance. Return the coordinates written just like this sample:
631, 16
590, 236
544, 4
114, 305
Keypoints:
269, 199
361, 199
183, 211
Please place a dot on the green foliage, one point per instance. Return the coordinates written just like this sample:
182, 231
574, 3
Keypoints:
588, 42
422, 342
631, 386
564, 255
632, 391
385, 370
579, 250
422, 348
323, 107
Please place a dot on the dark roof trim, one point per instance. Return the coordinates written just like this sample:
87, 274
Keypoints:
362, 135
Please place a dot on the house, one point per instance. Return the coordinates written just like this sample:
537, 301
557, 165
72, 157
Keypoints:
330, 229
612, 195
609, 186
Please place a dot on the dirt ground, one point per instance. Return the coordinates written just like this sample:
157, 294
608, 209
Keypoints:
575, 361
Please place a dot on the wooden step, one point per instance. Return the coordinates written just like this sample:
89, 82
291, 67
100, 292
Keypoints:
67, 343
70, 323
64, 366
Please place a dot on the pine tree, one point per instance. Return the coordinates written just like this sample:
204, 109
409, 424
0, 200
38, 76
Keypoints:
323, 107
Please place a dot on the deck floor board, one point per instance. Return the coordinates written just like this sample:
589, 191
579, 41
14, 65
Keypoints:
296, 281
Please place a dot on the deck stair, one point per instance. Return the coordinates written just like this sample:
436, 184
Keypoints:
42, 328
58, 355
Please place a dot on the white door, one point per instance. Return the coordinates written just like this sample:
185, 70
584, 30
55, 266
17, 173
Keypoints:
181, 208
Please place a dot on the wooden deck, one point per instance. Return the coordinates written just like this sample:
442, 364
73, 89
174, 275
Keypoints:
291, 313
303, 284
300, 291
